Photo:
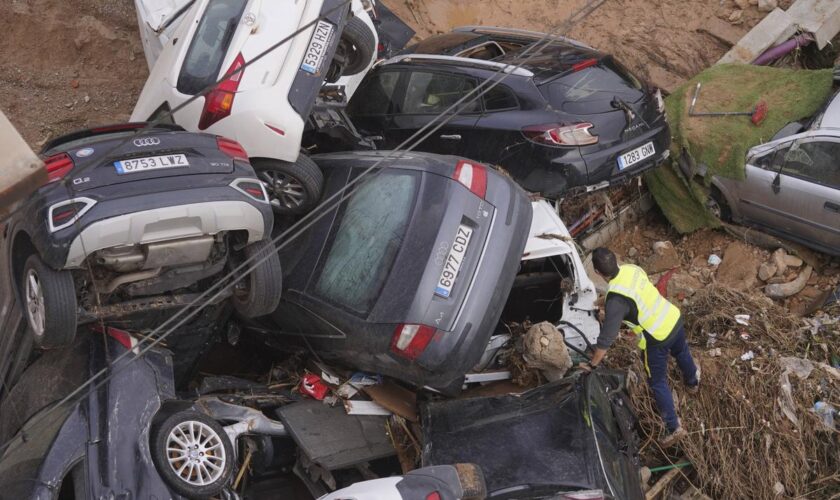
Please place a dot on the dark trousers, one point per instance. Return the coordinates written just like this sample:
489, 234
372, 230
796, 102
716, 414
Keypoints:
656, 358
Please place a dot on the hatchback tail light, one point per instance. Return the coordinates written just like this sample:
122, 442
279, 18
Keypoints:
411, 340
58, 166
433, 496
232, 148
561, 135
586, 63
67, 212
219, 101
473, 176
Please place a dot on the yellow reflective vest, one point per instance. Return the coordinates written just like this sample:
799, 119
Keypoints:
657, 316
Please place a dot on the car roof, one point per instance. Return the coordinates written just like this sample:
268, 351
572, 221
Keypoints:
831, 117
444, 43
413, 160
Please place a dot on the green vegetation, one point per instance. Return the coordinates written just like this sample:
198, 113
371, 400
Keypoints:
721, 143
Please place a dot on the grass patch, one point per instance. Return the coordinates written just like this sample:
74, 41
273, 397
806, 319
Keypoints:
721, 143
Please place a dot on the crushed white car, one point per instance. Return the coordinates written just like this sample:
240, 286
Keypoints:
190, 45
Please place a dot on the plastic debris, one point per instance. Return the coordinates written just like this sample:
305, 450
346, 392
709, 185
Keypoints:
826, 413
714, 260
742, 319
313, 386
747, 356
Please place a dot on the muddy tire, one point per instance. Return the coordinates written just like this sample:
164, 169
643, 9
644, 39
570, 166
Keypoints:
293, 188
717, 206
192, 453
49, 302
259, 292
359, 44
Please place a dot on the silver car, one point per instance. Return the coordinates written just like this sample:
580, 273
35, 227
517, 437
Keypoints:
792, 184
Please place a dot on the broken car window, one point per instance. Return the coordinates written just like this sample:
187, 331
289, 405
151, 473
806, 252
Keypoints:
366, 243
374, 98
817, 161
209, 45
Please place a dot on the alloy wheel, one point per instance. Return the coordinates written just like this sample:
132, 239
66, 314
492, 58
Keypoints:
196, 453
284, 190
35, 307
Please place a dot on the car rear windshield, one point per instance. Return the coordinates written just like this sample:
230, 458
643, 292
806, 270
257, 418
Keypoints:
592, 89
209, 45
363, 248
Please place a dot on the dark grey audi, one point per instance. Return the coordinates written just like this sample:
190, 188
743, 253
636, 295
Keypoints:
409, 275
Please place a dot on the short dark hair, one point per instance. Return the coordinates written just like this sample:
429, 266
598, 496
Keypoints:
603, 260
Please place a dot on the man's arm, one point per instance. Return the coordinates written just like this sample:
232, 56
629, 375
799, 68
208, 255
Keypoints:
615, 310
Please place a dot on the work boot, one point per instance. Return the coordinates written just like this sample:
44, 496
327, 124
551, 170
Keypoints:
694, 389
672, 438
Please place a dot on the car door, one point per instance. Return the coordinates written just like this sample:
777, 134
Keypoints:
372, 106
496, 133
426, 94
755, 196
809, 191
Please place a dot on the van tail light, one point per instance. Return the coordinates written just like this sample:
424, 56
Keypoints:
251, 188
473, 176
554, 134
586, 63
584, 495
67, 212
411, 340
58, 166
433, 496
232, 148
219, 101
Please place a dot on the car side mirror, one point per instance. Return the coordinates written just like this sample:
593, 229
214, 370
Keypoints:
777, 183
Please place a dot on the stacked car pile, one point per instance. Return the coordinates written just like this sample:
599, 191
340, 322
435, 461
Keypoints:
217, 203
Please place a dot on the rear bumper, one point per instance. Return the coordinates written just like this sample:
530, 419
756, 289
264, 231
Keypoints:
128, 220
452, 354
602, 164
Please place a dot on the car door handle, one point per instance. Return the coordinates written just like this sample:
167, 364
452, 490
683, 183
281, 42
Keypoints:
832, 207
451, 137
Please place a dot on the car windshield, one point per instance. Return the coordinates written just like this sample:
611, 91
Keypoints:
365, 245
209, 45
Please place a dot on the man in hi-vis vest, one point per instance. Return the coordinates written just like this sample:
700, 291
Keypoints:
633, 300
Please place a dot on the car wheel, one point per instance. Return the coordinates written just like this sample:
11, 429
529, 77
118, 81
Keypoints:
717, 205
49, 299
293, 188
258, 293
192, 453
358, 43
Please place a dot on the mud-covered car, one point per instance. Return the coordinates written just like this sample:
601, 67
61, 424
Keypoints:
571, 439
268, 95
142, 221
408, 276
128, 436
568, 119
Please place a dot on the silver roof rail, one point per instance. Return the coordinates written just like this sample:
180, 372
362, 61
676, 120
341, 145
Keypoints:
517, 31
507, 68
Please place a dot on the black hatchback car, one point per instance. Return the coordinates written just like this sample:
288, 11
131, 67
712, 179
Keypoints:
571, 118
409, 275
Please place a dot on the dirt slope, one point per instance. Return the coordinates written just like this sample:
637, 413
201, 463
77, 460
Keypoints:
66, 64
664, 41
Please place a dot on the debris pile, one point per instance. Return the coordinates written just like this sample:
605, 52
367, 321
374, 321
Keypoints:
763, 424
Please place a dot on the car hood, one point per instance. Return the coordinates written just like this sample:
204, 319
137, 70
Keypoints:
548, 236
